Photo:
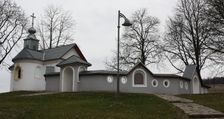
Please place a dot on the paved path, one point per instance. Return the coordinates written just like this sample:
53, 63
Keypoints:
193, 110
41, 93
174, 99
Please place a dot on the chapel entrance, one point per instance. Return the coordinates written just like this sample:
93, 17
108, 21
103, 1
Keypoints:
67, 83
196, 86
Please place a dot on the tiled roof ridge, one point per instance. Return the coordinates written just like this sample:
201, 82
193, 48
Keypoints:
72, 44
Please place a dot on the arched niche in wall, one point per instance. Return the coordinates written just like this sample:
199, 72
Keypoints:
196, 85
38, 72
139, 78
67, 79
17, 72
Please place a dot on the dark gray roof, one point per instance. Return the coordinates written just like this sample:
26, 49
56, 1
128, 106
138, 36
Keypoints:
106, 72
72, 60
102, 72
189, 71
28, 54
58, 52
170, 76
43, 55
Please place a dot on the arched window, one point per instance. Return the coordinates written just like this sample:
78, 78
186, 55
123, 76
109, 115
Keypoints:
196, 85
139, 78
17, 73
37, 72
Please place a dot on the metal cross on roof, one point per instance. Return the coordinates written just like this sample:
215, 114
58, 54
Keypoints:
33, 17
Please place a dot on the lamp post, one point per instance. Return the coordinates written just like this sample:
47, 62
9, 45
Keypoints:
126, 23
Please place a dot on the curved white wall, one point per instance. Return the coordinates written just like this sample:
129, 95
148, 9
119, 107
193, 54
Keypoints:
28, 80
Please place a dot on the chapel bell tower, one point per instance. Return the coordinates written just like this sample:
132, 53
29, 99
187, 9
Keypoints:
31, 41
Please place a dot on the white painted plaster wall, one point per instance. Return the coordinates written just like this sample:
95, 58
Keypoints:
70, 53
28, 80
53, 63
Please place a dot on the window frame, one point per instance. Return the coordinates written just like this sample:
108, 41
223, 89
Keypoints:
110, 79
144, 78
157, 83
168, 85
186, 86
181, 84
124, 80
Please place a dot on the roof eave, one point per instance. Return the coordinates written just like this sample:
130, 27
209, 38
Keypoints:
16, 59
155, 75
52, 74
88, 74
62, 65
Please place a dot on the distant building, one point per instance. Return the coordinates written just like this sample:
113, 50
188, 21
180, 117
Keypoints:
65, 69
216, 84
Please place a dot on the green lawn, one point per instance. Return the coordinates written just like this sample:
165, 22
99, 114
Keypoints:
86, 106
213, 100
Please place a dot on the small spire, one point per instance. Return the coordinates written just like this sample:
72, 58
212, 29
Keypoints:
33, 17
31, 41
32, 30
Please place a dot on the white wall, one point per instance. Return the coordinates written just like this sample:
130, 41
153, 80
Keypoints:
4, 80
28, 80
70, 53
52, 63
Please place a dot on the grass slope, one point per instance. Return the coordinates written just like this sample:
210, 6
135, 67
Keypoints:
213, 100
86, 105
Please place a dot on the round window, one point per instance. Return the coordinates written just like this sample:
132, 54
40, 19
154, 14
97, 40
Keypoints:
186, 85
154, 83
166, 83
124, 80
181, 84
109, 79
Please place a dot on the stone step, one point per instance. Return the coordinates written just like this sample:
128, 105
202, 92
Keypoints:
174, 99
199, 111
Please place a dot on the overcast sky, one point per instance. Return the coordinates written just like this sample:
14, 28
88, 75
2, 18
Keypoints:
96, 24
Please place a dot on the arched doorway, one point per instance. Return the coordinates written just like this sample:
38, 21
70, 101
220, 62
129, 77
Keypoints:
196, 86
67, 81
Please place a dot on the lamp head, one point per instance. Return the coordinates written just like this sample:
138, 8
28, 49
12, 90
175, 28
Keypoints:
126, 22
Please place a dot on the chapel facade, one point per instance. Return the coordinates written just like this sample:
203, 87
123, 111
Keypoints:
65, 69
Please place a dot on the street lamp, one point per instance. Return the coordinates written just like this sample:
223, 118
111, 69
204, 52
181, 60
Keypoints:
126, 23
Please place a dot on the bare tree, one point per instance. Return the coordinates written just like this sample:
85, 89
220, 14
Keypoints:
12, 27
56, 27
188, 35
215, 15
139, 42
